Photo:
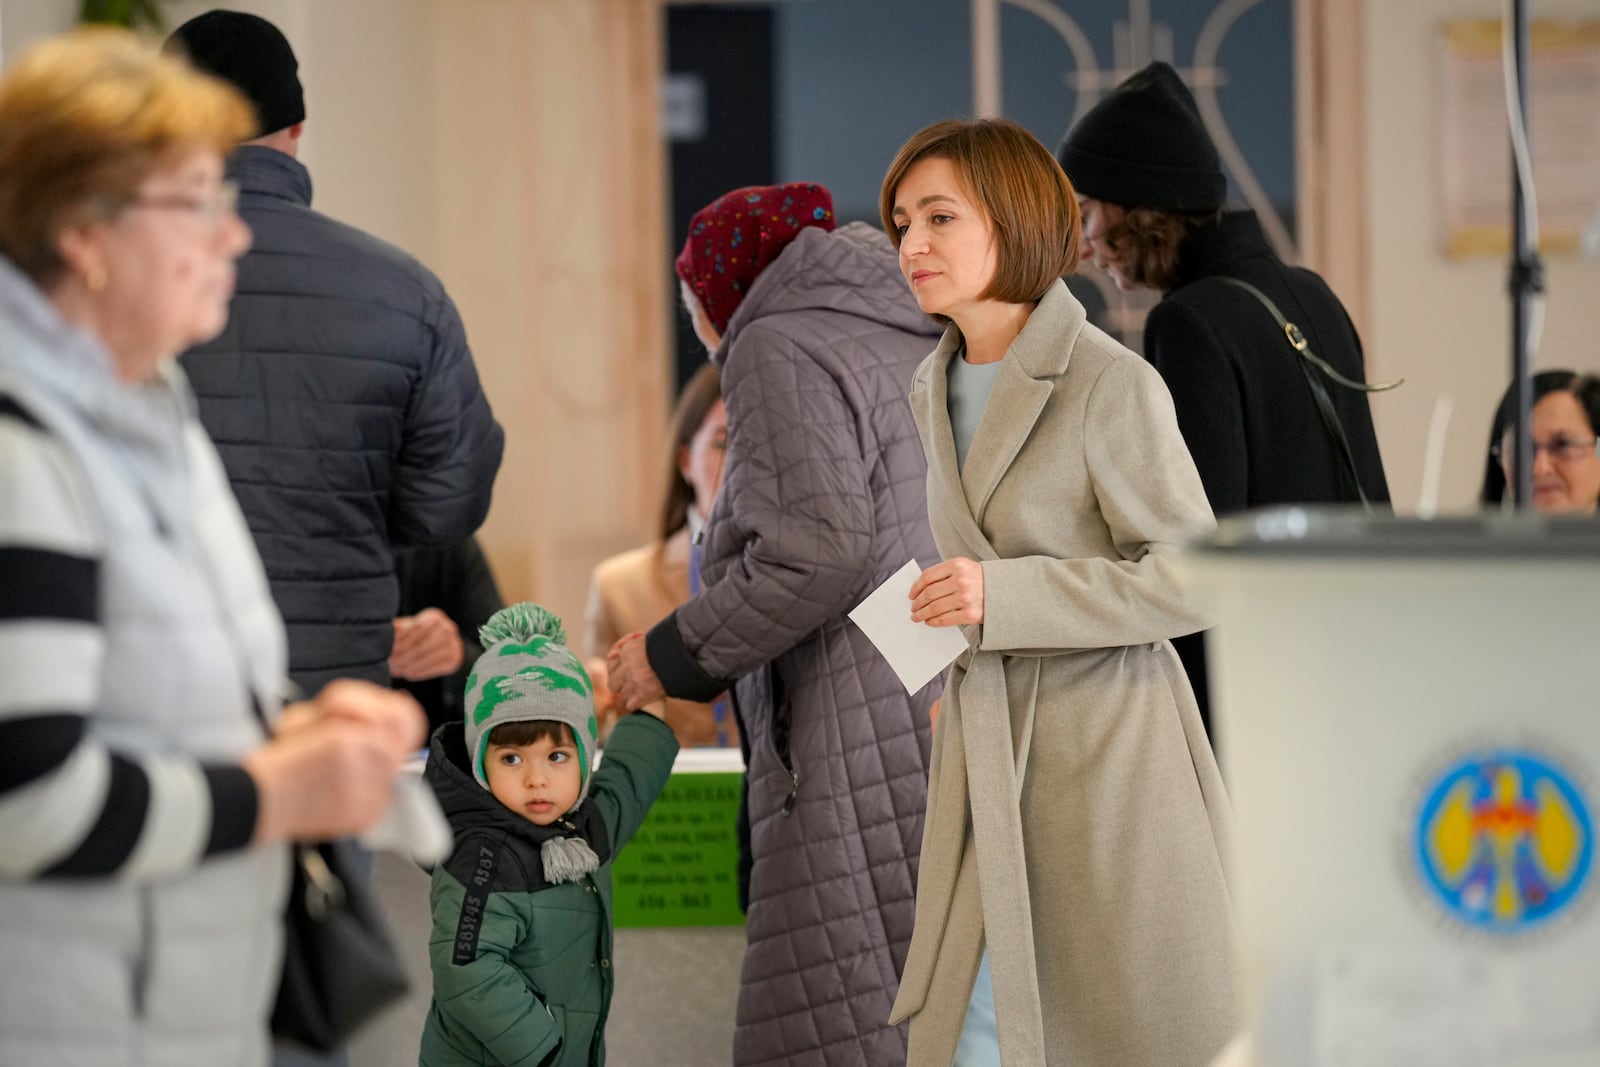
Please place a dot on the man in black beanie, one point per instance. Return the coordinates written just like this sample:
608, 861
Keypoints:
342, 396
1151, 187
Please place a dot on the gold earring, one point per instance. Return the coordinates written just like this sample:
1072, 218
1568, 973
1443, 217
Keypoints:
96, 279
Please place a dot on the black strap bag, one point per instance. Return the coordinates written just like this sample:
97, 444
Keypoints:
1314, 367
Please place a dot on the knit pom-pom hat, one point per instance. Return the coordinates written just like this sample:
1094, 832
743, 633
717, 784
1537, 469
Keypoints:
527, 674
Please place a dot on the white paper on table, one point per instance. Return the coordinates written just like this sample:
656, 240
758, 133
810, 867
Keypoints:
915, 650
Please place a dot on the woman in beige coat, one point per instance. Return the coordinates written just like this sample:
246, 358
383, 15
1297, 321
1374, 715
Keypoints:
1080, 853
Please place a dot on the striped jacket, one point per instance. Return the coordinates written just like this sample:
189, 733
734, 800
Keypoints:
135, 924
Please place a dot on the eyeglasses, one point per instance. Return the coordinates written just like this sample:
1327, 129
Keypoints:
1562, 449
209, 208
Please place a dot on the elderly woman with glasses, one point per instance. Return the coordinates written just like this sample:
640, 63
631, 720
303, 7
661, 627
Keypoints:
143, 810
1566, 463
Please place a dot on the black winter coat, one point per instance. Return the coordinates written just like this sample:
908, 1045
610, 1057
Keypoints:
1243, 404
344, 402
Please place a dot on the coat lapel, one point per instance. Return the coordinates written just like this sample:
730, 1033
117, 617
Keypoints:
1026, 380
930, 404
1014, 406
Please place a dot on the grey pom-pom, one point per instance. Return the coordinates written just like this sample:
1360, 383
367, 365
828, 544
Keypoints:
521, 622
566, 859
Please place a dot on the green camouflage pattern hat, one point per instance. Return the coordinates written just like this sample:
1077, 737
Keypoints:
527, 674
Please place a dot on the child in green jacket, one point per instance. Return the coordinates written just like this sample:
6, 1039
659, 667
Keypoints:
521, 946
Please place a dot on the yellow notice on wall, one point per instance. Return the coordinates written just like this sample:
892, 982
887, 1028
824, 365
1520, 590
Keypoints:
1563, 130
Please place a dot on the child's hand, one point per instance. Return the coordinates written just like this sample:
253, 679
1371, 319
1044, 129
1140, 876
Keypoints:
605, 700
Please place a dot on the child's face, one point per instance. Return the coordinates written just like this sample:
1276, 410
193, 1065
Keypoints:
539, 781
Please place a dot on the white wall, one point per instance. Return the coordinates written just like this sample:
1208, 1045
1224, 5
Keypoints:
1444, 324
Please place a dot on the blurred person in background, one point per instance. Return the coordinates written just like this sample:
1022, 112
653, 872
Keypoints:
823, 499
1151, 191
1566, 458
637, 589
143, 813
342, 396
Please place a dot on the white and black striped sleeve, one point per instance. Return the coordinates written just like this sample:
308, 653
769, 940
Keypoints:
69, 806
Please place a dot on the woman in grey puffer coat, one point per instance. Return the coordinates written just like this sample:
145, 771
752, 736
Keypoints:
824, 498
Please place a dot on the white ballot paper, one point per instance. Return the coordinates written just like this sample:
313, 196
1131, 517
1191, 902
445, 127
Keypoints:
915, 650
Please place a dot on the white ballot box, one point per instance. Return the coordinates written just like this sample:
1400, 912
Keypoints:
1408, 727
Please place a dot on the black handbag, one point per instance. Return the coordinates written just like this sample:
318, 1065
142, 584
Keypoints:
339, 964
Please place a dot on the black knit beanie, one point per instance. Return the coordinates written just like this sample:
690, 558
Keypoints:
251, 53
1144, 145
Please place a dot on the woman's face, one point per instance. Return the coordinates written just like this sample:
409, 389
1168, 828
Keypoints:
1566, 471
702, 458
167, 263
1099, 218
947, 247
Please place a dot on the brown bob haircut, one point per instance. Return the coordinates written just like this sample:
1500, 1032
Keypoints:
1017, 183
85, 118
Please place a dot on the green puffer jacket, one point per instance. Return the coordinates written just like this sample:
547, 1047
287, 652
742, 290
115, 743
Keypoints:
521, 968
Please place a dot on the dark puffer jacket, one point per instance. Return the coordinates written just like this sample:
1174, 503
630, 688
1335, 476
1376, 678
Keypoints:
346, 407
824, 497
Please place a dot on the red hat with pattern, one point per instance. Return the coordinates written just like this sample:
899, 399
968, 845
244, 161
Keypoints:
732, 239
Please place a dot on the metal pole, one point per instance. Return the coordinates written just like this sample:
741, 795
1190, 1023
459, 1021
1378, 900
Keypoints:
985, 58
1526, 272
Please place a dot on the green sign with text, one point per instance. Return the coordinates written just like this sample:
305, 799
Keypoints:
682, 867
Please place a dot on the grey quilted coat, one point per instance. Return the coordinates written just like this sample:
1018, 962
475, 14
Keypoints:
824, 497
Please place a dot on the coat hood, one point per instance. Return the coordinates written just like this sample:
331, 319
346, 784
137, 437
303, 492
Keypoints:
853, 270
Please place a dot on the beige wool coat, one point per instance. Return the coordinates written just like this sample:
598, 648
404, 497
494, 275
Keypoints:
1076, 821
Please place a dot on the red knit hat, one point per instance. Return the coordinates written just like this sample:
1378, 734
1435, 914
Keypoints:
732, 240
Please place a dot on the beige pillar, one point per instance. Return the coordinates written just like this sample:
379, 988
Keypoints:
552, 236
1331, 158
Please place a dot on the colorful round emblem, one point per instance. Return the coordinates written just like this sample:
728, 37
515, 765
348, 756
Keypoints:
1505, 841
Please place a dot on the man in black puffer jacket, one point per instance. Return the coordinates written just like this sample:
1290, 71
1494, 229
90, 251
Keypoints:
342, 396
